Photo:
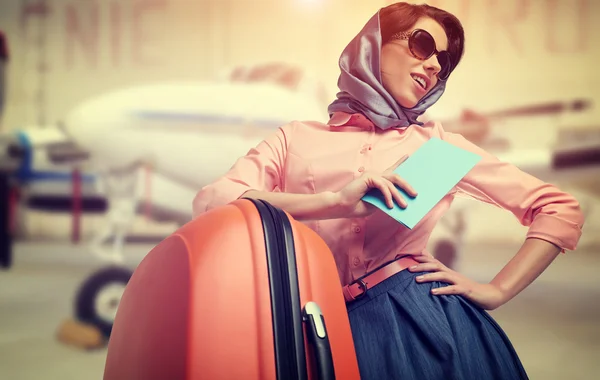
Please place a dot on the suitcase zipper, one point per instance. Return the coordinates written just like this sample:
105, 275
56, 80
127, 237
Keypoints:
287, 314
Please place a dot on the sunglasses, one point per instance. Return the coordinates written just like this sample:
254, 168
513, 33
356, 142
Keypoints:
422, 46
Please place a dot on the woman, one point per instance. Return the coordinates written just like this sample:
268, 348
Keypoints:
417, 318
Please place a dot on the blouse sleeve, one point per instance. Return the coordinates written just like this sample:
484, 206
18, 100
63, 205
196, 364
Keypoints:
550, 213
260, 169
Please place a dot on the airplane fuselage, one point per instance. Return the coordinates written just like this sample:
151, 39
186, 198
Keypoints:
189, 134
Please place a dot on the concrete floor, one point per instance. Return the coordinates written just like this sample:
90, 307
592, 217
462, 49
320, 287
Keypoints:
554, 324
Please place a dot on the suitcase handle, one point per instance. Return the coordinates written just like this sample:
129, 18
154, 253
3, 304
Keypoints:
318, 338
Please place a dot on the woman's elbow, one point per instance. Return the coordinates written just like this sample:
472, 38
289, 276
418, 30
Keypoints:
196, 209
200, 204
211, 197
578, 214
569, 208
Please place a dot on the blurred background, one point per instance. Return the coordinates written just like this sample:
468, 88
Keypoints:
113, 113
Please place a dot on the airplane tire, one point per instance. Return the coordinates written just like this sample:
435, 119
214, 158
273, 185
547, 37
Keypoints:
446, 252
99, 296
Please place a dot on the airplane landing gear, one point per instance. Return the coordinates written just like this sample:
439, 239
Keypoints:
99, 296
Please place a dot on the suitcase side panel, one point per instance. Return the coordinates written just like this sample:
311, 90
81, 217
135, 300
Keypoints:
319, 282
149, 339
231, 331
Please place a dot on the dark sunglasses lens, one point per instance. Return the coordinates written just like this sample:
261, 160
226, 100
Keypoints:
422, 44
445, 64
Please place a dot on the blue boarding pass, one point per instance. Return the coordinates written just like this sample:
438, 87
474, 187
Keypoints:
432, 170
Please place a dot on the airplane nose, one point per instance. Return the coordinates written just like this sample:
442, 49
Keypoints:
87, 122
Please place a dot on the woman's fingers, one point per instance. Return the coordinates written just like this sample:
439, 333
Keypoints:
436, 276
425, 259
427, 263
450, 290
401, 183
383, 185
389, 185
396, 194
426, 267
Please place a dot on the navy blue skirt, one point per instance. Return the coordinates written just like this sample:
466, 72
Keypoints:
402, 331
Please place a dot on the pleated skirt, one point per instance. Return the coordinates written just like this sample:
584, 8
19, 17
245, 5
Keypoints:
402, 331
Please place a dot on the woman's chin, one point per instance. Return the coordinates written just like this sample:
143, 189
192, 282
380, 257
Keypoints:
408, 102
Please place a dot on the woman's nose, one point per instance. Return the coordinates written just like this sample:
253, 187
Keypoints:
432, 65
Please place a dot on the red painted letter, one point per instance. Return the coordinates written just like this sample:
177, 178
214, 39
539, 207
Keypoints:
578, 42
115, 33
507, 21
139, 39
85, 32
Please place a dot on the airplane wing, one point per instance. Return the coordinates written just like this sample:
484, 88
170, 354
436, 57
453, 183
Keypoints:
548, 108
576, 160
476, 126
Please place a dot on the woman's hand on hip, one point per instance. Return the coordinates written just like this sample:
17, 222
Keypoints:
350, 200
486, 296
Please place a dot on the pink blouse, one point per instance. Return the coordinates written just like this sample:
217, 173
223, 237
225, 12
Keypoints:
312, 157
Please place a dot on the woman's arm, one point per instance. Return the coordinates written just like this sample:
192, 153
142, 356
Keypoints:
554, 219
301, 206
258, 175
531, 260
261, 169
345, 203
549, 213
534, 256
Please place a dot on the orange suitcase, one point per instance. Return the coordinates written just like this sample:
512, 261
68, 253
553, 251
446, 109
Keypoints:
242, 292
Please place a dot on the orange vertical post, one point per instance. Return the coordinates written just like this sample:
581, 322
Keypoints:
76, 208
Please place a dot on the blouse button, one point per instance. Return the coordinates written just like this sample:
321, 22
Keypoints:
356, 261
361, 169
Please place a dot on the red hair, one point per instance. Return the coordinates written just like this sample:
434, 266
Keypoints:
401, 17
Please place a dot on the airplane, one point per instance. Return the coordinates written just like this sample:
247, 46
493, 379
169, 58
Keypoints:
189, 134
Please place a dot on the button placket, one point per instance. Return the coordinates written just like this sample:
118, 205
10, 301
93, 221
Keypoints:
356, 253
364, 156
360, 161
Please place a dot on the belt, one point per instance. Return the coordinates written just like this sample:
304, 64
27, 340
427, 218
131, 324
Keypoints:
358, 288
